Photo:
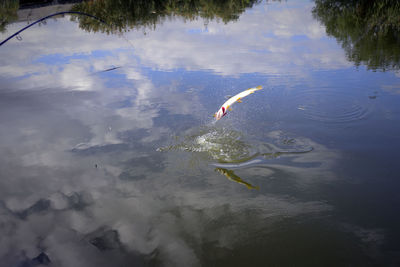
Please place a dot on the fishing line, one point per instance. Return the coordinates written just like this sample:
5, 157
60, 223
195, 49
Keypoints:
56, 14
49, 16
19, 38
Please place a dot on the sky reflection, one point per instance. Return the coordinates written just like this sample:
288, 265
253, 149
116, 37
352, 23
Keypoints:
289, 41
82, 179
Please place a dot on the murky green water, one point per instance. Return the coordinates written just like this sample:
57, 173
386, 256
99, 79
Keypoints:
110, 155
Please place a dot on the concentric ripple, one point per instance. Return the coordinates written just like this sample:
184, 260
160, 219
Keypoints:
327, 105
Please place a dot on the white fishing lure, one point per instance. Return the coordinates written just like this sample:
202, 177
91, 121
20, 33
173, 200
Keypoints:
237, 98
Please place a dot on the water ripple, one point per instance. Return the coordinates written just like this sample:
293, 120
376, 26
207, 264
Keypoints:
331, 106
230, 149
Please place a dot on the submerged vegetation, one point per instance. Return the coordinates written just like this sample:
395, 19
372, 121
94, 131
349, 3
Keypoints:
367, 30
123, 15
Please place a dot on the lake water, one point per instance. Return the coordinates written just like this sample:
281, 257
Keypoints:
110, 155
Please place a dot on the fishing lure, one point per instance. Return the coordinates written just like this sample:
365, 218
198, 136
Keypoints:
237, 98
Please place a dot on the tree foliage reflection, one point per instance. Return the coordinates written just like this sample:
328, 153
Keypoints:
8, 12
123, 15
368, 30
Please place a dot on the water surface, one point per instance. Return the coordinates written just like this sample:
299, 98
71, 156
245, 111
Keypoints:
110, 156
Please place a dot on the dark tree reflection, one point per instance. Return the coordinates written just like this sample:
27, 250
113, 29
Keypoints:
368, 30
8, 12
123, 15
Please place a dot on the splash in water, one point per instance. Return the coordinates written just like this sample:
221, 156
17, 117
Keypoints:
220, 144
229, 150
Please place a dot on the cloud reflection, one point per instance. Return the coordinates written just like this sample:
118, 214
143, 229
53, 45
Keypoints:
55, 200
80, 177
272, 38
269, 39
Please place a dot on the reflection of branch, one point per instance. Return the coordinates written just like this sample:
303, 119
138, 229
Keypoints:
233, 177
